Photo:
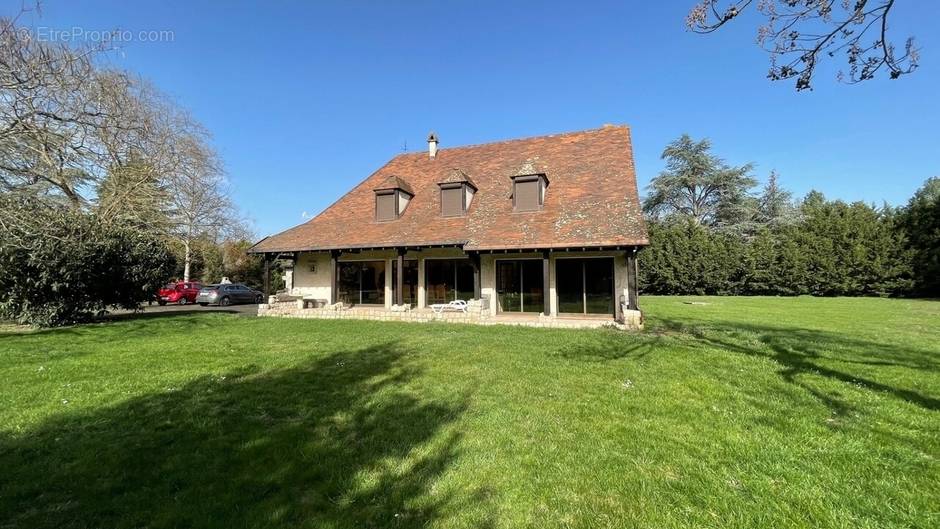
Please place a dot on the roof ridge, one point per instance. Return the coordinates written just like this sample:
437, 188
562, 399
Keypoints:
527, 138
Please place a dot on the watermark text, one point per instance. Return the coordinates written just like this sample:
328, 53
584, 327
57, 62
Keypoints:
115, 36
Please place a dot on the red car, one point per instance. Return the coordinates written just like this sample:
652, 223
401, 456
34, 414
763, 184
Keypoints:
180, 293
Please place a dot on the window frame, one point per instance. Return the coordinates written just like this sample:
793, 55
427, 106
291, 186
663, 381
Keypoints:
540, 182
395, 204
413, 288
462, 187
359, 266
456, 288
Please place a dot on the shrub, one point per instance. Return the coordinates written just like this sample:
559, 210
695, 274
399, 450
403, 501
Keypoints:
686, 258
62, 265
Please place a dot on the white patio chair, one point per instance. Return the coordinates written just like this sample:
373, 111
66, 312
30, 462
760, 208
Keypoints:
454, 306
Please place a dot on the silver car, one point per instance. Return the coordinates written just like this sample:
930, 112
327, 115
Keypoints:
224, 295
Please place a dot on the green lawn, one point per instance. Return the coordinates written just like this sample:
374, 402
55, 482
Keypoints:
740, 412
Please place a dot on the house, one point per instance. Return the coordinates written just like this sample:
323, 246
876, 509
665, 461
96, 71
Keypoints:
548, 227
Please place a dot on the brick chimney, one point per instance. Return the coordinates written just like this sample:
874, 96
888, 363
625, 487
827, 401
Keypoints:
432, 145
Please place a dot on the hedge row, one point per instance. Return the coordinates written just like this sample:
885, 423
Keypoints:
831, 249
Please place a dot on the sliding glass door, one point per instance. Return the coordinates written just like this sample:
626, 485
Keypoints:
520, 285
447, 280
361, 282
585, 286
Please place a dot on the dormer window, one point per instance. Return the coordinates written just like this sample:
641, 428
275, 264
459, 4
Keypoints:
391, 199
457, 192
528, 192
453, 202
386, 205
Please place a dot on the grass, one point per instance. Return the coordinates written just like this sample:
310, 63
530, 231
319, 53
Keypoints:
740, 412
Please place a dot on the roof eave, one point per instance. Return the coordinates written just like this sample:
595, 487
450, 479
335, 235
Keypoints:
463, 245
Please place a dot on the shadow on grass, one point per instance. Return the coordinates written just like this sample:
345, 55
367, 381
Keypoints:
182, 323
803, 352
337, 442
131, 320
607, 346
161, 312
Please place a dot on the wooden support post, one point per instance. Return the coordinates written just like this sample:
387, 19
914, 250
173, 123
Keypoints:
475, 263
400, 278
267, 276
333, 294
632, 290
546, 291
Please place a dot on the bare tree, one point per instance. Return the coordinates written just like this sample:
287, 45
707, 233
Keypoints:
200, 202
51, 111
168, 174
798, 34
141, 161
66, 122
76, 133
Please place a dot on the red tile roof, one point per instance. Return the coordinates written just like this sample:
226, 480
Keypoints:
591, 199
457, 176
394, 182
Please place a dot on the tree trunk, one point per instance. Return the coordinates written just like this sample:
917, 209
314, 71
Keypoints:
186, 261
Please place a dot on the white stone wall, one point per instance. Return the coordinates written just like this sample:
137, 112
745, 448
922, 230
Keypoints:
632, 321
288, 278
403, 199
488, 280
309, 283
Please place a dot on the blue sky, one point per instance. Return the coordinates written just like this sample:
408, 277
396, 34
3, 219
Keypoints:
306, 99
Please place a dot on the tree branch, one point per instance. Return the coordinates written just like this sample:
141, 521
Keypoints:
846, 23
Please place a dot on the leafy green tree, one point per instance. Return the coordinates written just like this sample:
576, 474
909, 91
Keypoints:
761, 263
686, 258
833, 249
698, 185
775, 204
60, 265
210, 260
920, 221
791, 265
242, 267
851, 249
813, 199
